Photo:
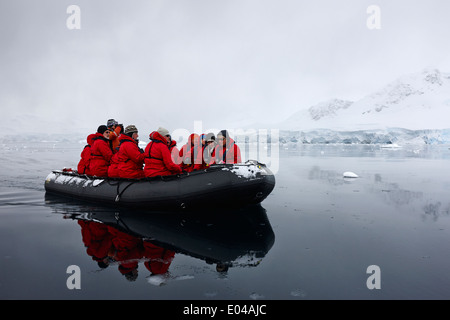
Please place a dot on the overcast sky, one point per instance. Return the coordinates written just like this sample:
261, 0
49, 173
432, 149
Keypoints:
227, 63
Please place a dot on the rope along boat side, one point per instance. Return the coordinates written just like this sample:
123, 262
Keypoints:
227, 185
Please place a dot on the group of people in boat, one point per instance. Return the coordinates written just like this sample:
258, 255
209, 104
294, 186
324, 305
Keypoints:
113, 151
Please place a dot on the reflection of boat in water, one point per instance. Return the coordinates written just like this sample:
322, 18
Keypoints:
108, 245
248, 183
228, 238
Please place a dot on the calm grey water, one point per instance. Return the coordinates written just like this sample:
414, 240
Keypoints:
313, 238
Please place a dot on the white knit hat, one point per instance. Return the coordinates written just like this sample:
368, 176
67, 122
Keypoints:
163, 131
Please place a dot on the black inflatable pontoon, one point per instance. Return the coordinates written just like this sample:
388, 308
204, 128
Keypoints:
218, 186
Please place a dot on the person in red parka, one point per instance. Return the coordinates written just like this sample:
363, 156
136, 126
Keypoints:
113, 170
191, 154
130, 157
226, 150
174, 151
115, 132
101, 153
158, 160
83, 164
208, 151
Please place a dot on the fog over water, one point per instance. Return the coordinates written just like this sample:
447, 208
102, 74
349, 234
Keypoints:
229, 64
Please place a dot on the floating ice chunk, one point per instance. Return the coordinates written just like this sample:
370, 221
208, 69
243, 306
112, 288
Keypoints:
298, 293
390, 146
162, 279
157, 279
184, 277
349, 174
256, 296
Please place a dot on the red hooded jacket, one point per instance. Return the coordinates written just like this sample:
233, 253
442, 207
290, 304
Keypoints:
83, 164
208, 157
114, 138
228, 154
191, 154
174, 152
158, 159
113, 170
130, 159
101, 154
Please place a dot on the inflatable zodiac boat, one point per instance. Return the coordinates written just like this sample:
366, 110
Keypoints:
225, 185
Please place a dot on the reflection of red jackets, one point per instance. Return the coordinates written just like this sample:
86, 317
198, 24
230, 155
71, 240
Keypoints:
96, 239
101, 154
158, 160
83, 165
159, 259
228, 154
191, 154
128, 249
130, 159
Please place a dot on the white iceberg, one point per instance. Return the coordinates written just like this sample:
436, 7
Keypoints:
349, 174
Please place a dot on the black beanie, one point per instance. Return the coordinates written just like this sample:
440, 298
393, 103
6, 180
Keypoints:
223, 133
101, 129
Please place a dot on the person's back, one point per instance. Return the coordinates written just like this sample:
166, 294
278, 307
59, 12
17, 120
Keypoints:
83, 164
101, 153
158, 158
113, 169
130, 159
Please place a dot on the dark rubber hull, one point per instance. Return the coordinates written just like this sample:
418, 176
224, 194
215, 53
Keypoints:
219, 186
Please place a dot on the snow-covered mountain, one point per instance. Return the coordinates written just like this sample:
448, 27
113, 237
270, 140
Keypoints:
417, 101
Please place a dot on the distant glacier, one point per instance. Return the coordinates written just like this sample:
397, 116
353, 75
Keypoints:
393, 136
413, 109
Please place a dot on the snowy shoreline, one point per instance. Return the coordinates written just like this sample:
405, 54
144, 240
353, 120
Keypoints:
388, 137
391, 137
